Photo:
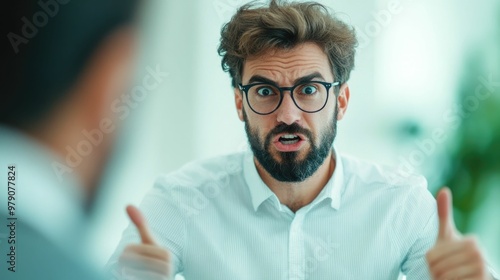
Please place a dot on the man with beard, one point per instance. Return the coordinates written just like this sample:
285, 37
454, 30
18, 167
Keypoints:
293, 207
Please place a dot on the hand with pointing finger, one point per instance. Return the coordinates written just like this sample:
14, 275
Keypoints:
454, 256
145, 261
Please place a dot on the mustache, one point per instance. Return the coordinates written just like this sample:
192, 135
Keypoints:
290, 129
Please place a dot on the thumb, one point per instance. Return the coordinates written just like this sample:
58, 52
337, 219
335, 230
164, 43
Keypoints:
141, 225
445, 214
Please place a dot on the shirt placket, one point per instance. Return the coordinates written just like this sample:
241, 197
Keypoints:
296, 263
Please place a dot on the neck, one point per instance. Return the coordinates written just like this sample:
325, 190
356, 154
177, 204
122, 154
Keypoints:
296, 195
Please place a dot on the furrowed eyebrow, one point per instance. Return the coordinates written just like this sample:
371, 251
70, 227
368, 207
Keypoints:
261, 79
307, 78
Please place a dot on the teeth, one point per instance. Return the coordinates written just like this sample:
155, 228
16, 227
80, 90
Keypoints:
289, 136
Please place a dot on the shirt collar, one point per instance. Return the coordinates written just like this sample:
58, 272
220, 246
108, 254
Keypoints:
335, 186
260, 192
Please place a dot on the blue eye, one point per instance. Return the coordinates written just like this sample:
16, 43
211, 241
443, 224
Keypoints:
265, 91
308, 90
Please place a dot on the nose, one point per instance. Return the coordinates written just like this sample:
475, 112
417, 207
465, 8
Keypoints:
288, 112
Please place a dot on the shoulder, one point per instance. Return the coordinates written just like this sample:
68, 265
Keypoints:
401, 195
382, 177
402, 192
405, 193
197, 173
192, 188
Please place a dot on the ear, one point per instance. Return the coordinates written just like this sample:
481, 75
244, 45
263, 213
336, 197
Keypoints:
343, 100
238, 101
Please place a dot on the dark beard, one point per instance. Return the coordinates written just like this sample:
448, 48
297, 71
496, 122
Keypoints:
290, 169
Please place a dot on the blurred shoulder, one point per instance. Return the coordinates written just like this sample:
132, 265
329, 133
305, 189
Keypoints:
36, 256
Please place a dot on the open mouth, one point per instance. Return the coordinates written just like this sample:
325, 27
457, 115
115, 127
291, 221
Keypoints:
289, 139
289, 142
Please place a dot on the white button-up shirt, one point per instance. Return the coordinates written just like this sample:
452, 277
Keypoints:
219, 220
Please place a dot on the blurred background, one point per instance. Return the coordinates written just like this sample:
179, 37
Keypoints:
425, 97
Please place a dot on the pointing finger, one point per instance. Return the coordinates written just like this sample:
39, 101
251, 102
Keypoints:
141, 225
445, 214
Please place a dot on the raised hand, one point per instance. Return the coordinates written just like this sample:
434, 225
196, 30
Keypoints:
454, 256
147, 260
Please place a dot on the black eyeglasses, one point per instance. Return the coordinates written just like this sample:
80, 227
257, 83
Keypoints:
265, 98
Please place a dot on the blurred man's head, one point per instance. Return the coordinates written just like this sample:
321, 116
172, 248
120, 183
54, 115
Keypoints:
309, 53
66, 61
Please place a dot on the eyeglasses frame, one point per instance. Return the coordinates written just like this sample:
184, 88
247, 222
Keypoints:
245, 88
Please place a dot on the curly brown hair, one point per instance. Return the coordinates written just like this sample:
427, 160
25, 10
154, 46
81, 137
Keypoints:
257, 28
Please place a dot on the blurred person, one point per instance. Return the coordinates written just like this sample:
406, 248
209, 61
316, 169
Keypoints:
64, 63
294, 207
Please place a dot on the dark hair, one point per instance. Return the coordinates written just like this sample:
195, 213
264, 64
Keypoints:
49, 43
255, 29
